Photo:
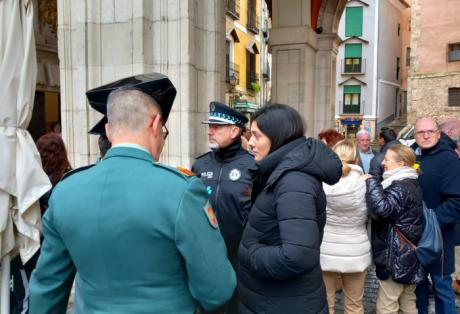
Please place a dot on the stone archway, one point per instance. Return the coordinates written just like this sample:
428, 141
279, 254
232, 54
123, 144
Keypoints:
304, 42
100, 41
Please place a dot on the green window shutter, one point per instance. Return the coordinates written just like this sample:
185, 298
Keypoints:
353, 50
352, 89
354, 21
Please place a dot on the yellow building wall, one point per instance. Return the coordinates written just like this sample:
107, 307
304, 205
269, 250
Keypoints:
240, 49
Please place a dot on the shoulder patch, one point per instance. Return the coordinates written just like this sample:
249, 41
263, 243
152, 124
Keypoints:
74, 171
185, 171
210, 215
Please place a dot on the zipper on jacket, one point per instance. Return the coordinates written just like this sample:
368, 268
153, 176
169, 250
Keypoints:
218, 183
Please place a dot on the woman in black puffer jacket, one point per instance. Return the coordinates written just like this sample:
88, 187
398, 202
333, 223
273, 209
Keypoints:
279, 252
397, 210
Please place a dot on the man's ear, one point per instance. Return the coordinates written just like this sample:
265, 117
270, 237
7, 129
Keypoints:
156, 125
236, 132
107, 132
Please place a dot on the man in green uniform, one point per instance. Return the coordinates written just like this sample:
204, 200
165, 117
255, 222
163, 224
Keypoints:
140, 236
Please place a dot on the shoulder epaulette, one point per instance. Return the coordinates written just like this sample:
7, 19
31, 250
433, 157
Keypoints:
176, 171
74, 171
187, 172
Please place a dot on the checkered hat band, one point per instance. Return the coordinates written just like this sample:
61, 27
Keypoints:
224, 118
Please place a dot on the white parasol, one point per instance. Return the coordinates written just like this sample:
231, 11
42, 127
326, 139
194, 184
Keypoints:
22, 180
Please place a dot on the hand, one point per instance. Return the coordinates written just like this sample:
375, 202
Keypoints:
366, 176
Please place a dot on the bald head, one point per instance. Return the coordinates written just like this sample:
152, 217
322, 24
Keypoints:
130, 110
426, 132
451, 127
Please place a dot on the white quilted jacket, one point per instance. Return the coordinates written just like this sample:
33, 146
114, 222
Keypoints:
346, 247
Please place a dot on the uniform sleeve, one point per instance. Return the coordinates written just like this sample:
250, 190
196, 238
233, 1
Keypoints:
296, 208
211, 278
449, 210
53, 276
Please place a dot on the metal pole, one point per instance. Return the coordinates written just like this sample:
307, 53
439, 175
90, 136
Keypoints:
5, 285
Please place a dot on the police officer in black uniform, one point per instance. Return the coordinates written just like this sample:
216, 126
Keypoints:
224, 171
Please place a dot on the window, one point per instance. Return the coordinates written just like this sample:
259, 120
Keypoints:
351, 99
233, 8
407, 56
353, 58
253, 20
453, 52
399, 29
454, 97
354, 21
397, 69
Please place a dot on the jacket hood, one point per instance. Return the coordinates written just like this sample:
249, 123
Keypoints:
306, 155
348, 193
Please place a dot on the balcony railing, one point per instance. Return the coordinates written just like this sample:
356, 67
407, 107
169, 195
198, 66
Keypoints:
232, 73
253, 22
352, 108
252, 81
233, 8
353, 66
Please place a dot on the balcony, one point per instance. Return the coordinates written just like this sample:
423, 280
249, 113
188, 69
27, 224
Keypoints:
232, 73
253, 22
252, 81
351, 108
353, 66
233, 8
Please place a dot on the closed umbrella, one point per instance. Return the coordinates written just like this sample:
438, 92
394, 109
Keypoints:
22, 180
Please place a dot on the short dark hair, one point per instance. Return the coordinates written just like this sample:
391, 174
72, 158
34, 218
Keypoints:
387, 134
104, 145
280, 123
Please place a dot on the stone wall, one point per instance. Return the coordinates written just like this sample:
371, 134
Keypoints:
429, 95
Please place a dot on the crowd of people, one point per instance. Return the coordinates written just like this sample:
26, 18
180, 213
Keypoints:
270, 222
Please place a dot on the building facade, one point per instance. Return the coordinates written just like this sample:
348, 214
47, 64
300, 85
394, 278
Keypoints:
369, 65
434, 78
246, 48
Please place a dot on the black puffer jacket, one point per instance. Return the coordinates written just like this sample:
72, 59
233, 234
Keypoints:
279, 252
398, 207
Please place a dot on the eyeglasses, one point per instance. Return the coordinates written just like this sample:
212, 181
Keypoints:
430, 133
165, 132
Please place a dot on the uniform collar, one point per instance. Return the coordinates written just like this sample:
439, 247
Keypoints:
129, 151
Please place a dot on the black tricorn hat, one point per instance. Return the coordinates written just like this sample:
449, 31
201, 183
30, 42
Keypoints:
155, 85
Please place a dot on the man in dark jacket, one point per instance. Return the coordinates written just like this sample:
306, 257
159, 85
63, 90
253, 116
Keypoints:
440, 182
224, 171
387, 138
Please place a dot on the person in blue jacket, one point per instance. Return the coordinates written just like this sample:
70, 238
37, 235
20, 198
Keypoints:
140, 237
440, 182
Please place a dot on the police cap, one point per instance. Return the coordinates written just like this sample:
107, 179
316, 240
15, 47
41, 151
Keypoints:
220, 113
155, 85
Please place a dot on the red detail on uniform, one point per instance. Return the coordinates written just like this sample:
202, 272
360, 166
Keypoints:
186, 171
212, 216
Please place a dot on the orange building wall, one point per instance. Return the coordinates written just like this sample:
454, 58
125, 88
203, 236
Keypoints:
439, 25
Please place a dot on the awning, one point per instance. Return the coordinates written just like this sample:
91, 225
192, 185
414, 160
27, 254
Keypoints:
22, 180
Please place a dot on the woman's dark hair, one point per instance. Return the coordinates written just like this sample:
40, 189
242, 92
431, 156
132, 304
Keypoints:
54, 156
280, 123
331, 136
387, 134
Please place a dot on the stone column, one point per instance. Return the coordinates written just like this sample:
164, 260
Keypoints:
104, 40
325, 78
293, 45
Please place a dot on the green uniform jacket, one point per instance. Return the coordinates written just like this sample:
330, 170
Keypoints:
137, 235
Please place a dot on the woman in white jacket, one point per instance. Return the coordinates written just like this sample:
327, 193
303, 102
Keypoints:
346, 249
